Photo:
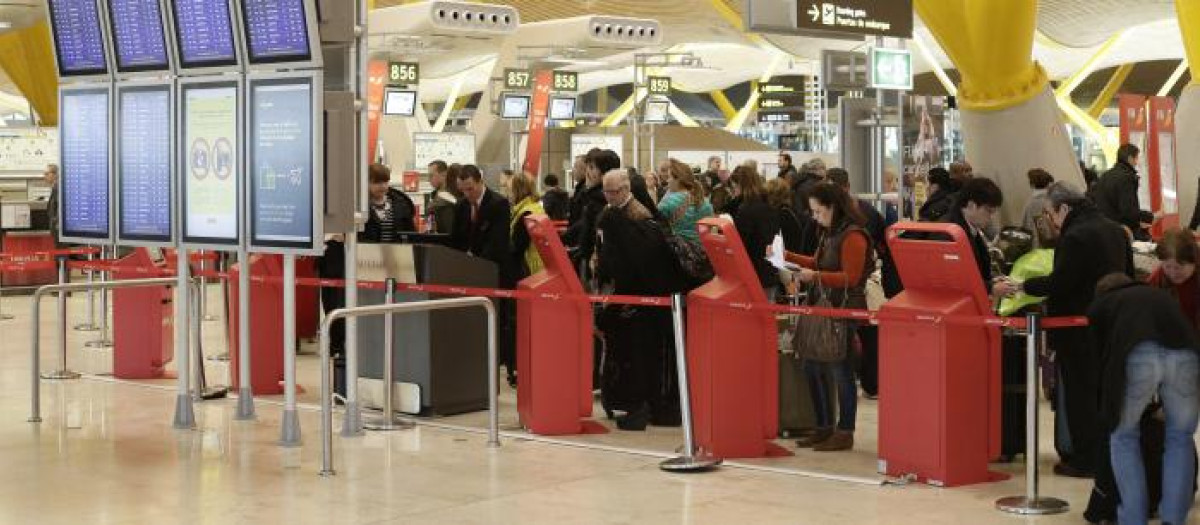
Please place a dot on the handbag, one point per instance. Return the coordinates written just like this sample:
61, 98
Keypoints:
693, 262
818, 338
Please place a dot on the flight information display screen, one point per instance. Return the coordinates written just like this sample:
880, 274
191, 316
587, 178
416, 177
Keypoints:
209, 163
204, 33
78, 40
276, 31
83, 139
138, 35
144, 168
281, 160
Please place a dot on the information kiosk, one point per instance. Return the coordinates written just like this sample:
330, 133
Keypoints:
143, 321
733, 364
555, 358
939, 382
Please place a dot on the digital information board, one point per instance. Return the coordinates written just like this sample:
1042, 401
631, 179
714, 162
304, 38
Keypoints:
204, 33
209, 163
282, 160
139, 38
144, 164
84, 143
277, 31
78, 38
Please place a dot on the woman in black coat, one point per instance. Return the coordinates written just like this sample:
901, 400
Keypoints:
756, 223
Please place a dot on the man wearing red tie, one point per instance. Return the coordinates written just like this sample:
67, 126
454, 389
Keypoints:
481, 222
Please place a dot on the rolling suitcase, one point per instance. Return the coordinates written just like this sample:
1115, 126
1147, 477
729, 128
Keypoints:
796, 413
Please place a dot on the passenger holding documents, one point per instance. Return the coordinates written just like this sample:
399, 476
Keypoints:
838, 273
756, 223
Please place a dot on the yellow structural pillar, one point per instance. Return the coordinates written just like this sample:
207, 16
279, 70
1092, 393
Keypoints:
1110, 89
724, 104
1187, 114
1189, 25
991, 44
26, 57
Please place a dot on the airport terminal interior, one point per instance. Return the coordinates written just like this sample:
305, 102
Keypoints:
599, 262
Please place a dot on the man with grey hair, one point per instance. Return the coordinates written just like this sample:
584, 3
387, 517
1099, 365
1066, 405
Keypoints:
50, 177
633, 256
1089, 247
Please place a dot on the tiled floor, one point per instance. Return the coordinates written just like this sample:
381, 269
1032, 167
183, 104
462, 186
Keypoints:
106, 454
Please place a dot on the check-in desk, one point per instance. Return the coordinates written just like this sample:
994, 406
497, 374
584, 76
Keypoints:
441, 356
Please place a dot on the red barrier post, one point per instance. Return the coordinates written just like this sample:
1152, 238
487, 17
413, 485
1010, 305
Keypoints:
554, 343
732, 361
939, 382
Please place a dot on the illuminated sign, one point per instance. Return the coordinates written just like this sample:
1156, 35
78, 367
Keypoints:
892, 18
659, 85
566, 81
517, 79
403, 73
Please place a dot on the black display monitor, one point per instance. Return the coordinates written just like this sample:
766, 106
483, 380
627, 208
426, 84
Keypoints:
204, 34
514, 106
284, 155
139, 35
144, 167
84, 164
400, 102
562, 108
78, 38
209, 169
279, 31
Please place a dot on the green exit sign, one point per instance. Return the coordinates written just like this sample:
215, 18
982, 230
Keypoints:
891, 69
403, 73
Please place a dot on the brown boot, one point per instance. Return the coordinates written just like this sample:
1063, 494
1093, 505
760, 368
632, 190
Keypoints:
840, 440
818, 435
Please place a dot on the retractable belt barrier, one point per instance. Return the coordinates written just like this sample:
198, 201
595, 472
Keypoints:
39, 260
1019, 323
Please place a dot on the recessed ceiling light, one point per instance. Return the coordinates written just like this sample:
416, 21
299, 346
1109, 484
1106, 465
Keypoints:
4, 24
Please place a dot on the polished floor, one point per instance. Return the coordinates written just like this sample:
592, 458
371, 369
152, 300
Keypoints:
106, 454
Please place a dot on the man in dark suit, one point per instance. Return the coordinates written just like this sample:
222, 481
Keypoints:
973, 211
481, 228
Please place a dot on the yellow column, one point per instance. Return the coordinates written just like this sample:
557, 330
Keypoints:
991, 44
1110, 89
1189, 25
26, 57
724, 104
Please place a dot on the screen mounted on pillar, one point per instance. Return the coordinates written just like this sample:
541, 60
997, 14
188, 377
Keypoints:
208, 163
139, 35
144, 168
280, 31
78, 38
204, 34
283, 158
84, 165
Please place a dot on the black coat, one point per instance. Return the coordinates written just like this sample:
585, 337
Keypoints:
635, 257
979, 246
403, 211
487, 237
582, 232
557, 204
1116, 196
1089, 247
938, 205
1123, 318
758, 225
791, 228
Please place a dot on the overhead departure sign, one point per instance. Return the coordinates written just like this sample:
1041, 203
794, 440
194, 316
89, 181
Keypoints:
517, 79
892, 18
659, 85
566, 81
404, 73
776, 117
780, 93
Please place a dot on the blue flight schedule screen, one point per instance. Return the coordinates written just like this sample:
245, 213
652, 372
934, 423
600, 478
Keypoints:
83, 137
281, 156
138, 35
276, 30
144, 172
77, 37
204, 30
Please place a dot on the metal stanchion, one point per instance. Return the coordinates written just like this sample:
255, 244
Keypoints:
90, 325
185, 413
203, 391
204, 289
1032, 503
692, 460
352, 425
104, 341
61, 327
387, 421
223, 268
290, 433
245, 404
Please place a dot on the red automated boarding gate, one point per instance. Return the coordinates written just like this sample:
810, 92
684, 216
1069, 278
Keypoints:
554, 343
733, 365
143, 321
939, 383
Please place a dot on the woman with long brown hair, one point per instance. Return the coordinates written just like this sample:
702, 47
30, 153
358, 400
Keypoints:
756, 223
840, 267
684, 204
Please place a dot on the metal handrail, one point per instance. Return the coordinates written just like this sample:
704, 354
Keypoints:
402, 308
35, 415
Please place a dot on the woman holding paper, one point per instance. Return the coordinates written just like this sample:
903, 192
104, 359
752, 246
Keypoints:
838, 270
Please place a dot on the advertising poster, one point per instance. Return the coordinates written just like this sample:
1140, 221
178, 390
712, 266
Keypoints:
210, 164
281, 160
